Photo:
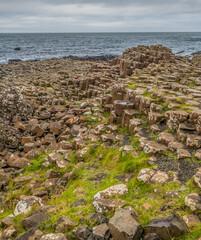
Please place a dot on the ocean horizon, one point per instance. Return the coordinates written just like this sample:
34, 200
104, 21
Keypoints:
41, 46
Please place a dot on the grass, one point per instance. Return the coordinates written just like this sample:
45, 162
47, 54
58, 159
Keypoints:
113, 163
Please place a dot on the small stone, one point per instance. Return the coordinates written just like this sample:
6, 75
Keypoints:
64, 223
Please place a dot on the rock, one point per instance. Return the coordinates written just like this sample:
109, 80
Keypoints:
198, 154
84, 232
197, 178
54, 157
193, 201
27, 234
9, 232
34, 220
167, 228
9, 136
54, 236
101, 232
151, 236
7, 221
25, 205
97, 218
52, 174
78, 202
27, 139
17, 162
55, 128
172, 194
152, 147
193, 141
191, 219
21, 180
152, 176
64, 224
80, 154
124, 227
165, 138
146, 174
101, 202
183, 153
37, 130
37, 235
159, 177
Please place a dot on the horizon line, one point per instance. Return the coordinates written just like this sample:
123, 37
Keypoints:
102, 32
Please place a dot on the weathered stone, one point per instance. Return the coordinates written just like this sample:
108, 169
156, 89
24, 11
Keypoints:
9, 232
191, 220
25, 205
64, 224
167, 228
53, 236
152, 147
124, 227
183, 153
37, 130
197, 178
193, 201
17, 162
7, 221
34, 220
101, 201
97, 218
101, 232
193, 141
152, 176
84, 232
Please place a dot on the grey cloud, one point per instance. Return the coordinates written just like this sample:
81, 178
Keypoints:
96, 15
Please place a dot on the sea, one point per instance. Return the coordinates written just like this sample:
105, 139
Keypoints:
40, 46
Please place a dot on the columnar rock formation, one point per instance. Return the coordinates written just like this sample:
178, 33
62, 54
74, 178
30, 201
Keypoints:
145, 103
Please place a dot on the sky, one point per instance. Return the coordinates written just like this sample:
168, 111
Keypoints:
100, 16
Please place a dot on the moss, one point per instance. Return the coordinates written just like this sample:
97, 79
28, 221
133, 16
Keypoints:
132, 86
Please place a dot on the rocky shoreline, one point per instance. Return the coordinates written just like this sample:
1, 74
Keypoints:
101, 149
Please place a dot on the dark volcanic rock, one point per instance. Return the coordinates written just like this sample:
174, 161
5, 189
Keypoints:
14, 60
167, 228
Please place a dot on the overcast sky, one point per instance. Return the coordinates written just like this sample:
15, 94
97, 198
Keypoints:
100, 16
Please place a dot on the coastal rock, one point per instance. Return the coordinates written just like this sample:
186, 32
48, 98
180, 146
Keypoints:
124, 227
64, 224
53, 236
25, 205
101, 202
167, 228
193, 201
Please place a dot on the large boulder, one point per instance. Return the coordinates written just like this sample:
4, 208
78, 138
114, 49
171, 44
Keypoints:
123, 226
167, 228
